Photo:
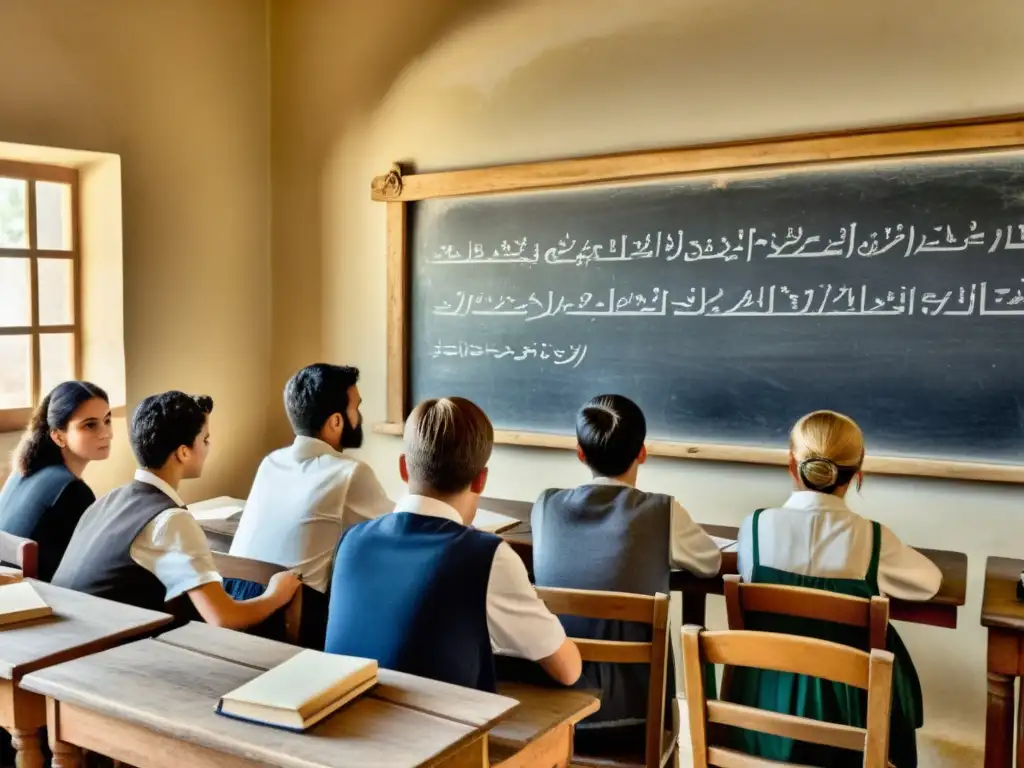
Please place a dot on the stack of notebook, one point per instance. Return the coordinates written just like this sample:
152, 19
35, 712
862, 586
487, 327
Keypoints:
301, 691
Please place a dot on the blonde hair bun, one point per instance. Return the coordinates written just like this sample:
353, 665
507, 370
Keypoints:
828, 449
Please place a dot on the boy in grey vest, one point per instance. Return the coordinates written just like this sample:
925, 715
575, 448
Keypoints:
606, 535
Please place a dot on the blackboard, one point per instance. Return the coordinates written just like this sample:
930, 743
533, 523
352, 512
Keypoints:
730, 304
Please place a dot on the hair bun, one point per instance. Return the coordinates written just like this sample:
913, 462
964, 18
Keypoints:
819, 473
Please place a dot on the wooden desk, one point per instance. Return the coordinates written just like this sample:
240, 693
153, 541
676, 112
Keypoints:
537, 732
151, 704
940, 611
1003, 615
80, 625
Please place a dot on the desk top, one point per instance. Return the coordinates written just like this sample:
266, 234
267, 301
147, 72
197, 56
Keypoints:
464, 705
1000, 606
940, 610
521, 713
173, 691
953, 565
80, 624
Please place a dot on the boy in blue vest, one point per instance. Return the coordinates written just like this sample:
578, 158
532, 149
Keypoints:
632, 540
420, 590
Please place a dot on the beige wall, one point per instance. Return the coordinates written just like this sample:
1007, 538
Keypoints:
358, 86
179, 91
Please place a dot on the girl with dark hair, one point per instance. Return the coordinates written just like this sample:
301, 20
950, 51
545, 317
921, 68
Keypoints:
45, 496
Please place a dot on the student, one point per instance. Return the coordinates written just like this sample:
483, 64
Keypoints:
44, 496
630, 541
139, 545
423, 592
306, 495
814, 540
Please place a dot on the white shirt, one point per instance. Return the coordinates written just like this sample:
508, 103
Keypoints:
816, 534
303, 498
172, 546
690, 548
517, 619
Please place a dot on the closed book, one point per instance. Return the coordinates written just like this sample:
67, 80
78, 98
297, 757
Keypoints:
21, 602
302, 691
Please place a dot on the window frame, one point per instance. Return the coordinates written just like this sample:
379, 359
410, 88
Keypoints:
16, 419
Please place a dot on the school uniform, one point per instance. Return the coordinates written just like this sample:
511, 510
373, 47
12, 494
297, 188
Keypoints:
607, 535
44, 507
138, 545
816, 541
425, 594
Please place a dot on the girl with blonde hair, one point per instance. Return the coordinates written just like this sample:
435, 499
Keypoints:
815, 540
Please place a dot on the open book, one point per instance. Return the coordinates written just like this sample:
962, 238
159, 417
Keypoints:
21, 602
724, 544
493, 522
220, 508
302, 691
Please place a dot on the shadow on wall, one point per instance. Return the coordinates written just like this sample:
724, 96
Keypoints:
329, 70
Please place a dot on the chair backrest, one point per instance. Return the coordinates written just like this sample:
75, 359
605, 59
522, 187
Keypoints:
23, 553
804, 603
784, 653
621, 606
231, 567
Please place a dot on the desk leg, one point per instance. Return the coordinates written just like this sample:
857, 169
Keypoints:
999, 722
26, 743
66, 755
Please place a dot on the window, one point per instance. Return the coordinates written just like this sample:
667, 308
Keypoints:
40, 333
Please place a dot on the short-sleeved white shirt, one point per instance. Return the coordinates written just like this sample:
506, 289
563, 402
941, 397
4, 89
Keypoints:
517, 619
817, 534
172, 546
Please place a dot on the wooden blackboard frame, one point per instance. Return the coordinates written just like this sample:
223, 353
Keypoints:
398, 188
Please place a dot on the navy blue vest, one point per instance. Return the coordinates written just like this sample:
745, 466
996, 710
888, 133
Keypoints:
410, 591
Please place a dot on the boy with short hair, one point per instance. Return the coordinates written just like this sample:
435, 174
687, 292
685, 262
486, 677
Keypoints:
423, 592
139, 544
629, 541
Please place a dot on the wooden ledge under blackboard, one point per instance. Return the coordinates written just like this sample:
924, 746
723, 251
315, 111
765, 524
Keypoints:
873, 465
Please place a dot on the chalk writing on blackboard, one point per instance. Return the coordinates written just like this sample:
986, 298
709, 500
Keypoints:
828, 299
571, 355
897, 240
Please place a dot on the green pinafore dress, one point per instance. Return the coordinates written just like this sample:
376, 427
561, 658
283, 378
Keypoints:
819, 699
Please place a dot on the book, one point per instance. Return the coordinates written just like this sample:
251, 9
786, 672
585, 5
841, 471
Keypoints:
493, 522
724, 544
220, 508
21, 602
300, 692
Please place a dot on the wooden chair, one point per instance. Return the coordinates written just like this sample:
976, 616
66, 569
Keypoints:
19, 552
804, 603
784, 653
231, 567
643, 609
